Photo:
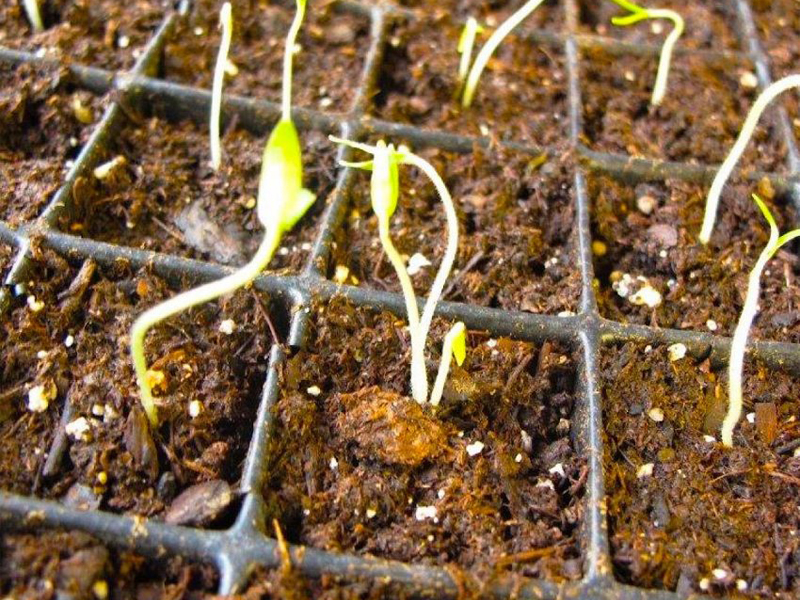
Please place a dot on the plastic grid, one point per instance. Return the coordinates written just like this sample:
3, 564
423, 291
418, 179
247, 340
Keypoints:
248, 542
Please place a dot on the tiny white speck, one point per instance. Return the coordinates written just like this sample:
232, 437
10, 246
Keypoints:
341, 274
195, 408
741, 585
656, 414
98, 410
483, 129
748, 80
19, 289
475, 448
440, 494
425, 512
34, 304
39, 397
704, 584
124, 41
69, 340
333, 464
518, 457
557, 469
711, 324
491, 343
78, 428
657, 27
283, 251
306, 512
430, 537
416, 263
710, 439
460, 434
566, 313
663, 254
198, 31
751, 417
676, 351
646, 470
314, 390
41, 354
325, 102
648, 349
227, 326
719, 573
305, 246
371, 513
545, 483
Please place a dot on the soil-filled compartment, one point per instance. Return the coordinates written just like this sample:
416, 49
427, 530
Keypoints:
706, 103
490, 482
685, 513
331, 48
157, 191
45, 120
65, 349
106, 34
549, 16
651, 269
516, 215
418, 85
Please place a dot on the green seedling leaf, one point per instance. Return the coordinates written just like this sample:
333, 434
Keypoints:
459, 333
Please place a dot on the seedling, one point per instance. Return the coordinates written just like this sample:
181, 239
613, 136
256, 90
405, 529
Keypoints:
760, 105
384, 192
226, 22
465, 45
34, 16
739, 342
455, 344
281, 203
639, 13
491, 45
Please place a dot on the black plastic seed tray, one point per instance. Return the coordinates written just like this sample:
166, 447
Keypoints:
250, 540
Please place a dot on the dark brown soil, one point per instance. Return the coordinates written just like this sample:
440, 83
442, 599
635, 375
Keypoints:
419, 81
101, 33
708, 25
697, 283
6, 257
351, 467
327, 71
703, 507
166, 197
516, 218
40, 134
76, 344
69, 564
549, 16
618, 116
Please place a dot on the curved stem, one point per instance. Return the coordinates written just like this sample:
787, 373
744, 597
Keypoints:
34, 16
449, 255
186, 300
226, 20
419, 376
491, 45
660, 88
465, 46
761, 103
444, 365
288, 52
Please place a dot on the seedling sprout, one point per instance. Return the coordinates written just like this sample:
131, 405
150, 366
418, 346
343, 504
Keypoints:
491, 45
760, 105
465, 45
281, 203
749, 310
226, 22
384, 192
34, 16
639, 13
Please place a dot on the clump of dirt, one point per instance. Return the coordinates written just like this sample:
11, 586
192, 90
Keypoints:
60, 564
503, 489
516, 220
419, 81
44, 122
101, 33
618, 117
650, 230
163, 194
685, 513
327, 70
90, 445
708, 26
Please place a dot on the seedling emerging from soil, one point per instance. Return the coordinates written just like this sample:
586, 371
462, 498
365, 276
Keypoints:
226, 22
34, 16
491, 45
282, 201
384, 191
639, 13
455, 344
760, 105
465, 45
739, 342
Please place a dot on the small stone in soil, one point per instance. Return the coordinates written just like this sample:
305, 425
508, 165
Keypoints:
81, 497
200, 504
139, 443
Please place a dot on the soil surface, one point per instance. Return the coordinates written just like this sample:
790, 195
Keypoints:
710, 25
71, 564
697, 284
618, 116
550, 16
419, 80
44, 123
357, 466
326, 72
166, 197
101, 33
707, 516
516, 222
69, 334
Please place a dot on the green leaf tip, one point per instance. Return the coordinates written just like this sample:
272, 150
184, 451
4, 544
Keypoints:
282, 200
765, 211
459, 333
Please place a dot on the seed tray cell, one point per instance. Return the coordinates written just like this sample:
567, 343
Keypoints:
549, 16
243, 540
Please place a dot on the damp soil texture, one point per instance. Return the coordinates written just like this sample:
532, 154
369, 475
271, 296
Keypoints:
101, 33
645, 236
618, 116
489, 482
516, 239
549, 16
418, 85
72, 564
327, 66
44, 123
156, 190
70, 425
686, 514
